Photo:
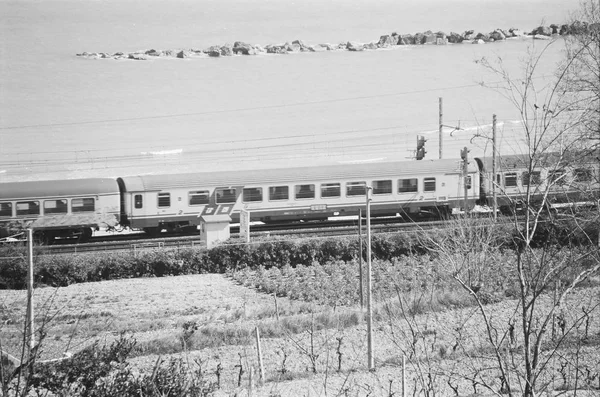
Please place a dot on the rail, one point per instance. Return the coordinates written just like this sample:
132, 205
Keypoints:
140, 245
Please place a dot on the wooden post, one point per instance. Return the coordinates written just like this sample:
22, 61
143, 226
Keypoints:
30, 315
260, 360
370, 358
276, 305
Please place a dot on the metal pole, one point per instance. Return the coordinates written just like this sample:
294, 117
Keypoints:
441, 136
495, 201
30, 325
465, 176
360, 259
371, 361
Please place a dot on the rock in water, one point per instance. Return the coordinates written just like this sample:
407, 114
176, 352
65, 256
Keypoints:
239, 47
213, 51
385, 41
354, 46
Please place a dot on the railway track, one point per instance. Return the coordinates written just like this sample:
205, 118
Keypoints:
140, 242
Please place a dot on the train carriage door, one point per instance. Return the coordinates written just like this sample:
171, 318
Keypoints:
136, 204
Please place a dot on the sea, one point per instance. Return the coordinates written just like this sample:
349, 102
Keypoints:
63, 116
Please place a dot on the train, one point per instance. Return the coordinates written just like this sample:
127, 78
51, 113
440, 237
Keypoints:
175, 202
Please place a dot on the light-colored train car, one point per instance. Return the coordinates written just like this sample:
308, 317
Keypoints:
560, 182
156, 202
61, 208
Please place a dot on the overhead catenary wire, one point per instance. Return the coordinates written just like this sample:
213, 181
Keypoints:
225, 147
264, 107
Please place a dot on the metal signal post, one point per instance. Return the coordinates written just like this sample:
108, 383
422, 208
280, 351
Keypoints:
370, 358
420, 147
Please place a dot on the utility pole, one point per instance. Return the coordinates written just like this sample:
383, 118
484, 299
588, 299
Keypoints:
464, 154
30, 325
495, 204
360, 259
441, 126
370, 358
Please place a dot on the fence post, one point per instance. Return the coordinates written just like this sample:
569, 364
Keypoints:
260, 360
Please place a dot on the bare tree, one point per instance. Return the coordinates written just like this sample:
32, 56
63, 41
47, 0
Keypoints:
554, 247
582, 61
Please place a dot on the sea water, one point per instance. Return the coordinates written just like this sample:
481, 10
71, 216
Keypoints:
63, 116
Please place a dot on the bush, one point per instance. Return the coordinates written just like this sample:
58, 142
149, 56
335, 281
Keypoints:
104, 372
62, 270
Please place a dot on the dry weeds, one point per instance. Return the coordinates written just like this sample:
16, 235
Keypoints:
304, 338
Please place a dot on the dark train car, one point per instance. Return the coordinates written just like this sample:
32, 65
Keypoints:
548, 177
61, 208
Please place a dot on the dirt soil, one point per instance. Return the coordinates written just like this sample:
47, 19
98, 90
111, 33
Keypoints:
155, 309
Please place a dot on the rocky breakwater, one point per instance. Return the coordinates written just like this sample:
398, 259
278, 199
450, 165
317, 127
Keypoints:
385, 41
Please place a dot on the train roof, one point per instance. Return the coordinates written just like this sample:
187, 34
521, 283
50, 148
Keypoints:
521, 161
58, 188
357, 172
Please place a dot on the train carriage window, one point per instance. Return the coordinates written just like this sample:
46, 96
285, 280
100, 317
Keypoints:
55, 206
304, 191
83, 205
5, 209
429, 184
557, 177
226, 195
382, 187
535, 178
198, 197
330, 190
408, 185
510, 179
164, 200
252, 194
28, 208
356, 189
279, 193
582, 175
138, 201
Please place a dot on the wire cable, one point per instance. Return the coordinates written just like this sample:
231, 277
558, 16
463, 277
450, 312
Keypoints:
175, 115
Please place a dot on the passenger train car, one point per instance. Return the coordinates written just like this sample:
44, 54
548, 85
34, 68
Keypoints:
65, 208
559, 182
155, 202
73, 208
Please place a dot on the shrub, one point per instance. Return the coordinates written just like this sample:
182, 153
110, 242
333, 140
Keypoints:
394, 248
104, 372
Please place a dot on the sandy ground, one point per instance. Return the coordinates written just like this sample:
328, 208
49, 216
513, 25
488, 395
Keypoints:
155, 308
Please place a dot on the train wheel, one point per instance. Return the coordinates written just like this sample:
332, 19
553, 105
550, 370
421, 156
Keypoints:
86, 234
